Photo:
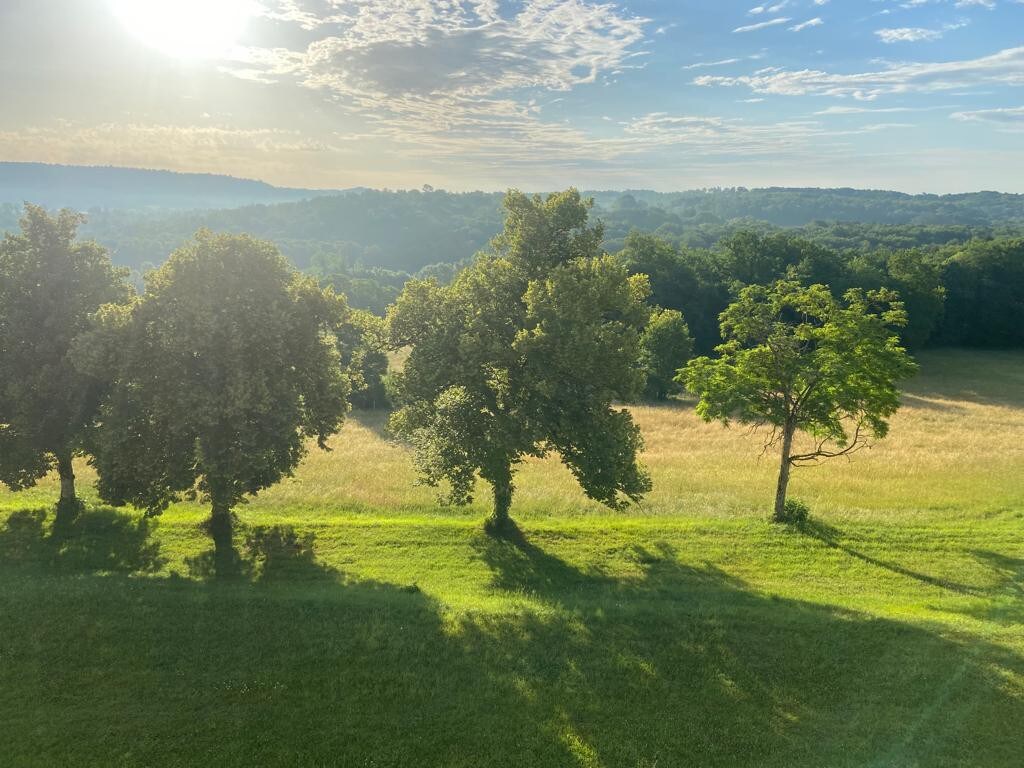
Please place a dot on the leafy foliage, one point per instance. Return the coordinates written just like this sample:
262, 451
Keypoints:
50, 284
984, 283
665, 347
522, 354
795, 512
705, 243
219, 374
363, 347
798, 359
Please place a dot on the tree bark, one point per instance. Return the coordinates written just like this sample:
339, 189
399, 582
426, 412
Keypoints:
67, 505
221, 528
780, 490
502, 498
66, 471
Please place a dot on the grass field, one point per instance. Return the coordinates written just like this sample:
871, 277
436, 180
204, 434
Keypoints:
376, 628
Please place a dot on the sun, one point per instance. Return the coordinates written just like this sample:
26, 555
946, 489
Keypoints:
186, 29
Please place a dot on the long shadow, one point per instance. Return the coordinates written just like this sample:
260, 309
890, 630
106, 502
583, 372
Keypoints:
518, 565
832, 538
983, 377
268, 554
1008, 606
297, 663
98, 539
373, 419
302, 664
932, 404
688, 666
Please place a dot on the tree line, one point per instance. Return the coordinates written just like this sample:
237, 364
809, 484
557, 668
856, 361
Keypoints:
405, 231
214, 381
957, 260
966, 295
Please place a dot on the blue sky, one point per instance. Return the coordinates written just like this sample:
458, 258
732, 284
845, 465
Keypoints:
916, 95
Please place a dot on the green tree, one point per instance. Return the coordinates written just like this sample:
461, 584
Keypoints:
50, 284
219, 374
985, 288
689, 281
363, 345
523, 354
665, 346
797, 359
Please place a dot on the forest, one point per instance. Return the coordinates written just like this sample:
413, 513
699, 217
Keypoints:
955, 259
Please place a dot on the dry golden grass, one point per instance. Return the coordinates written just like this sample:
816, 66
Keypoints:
955, 449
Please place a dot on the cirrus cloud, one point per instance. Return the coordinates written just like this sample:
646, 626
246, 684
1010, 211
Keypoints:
1003, 68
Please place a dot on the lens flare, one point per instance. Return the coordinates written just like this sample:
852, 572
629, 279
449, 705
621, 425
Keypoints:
186, 29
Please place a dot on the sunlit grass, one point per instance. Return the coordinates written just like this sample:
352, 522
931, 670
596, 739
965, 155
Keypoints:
373, 627
955, 450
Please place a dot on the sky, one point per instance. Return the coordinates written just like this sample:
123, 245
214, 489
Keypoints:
913, 95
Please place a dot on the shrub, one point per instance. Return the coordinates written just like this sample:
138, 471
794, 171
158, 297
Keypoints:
795, 512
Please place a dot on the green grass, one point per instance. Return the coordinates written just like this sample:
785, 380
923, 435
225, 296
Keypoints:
371, 627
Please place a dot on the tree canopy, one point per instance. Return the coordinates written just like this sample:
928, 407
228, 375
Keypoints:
218, 375
524, 354
797, 359
665, 347
50, 285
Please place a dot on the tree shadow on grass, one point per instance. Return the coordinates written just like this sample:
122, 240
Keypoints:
687, 665
988, 377
932, 403
832, 537
301, 664
97, 539
518, 565
277, 553
1007, 607
375, 420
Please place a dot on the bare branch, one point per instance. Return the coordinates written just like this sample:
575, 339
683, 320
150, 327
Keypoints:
858, 442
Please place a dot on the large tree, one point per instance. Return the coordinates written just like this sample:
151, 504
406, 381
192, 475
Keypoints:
523, 354
219, 374
798, 359
50, 284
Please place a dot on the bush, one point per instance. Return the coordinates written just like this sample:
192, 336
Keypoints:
795, 512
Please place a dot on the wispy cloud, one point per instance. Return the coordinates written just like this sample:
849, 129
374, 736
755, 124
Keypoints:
187, 147
1005, 116
907, 34
815, 22
708, 64
762, 25
1003, 68
917, 34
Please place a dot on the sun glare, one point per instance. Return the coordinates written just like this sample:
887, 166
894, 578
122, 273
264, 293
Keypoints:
186, 29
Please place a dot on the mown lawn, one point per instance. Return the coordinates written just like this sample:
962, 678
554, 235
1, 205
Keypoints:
371, 627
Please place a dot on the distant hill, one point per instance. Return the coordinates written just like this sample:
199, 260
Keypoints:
143, 215
101, 187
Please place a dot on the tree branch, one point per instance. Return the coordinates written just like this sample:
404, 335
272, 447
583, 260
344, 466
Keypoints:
857, 443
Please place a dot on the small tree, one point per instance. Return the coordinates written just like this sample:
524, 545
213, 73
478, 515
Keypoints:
219, 374
665, 346
797, 359
50, 284
525, 353
364, 356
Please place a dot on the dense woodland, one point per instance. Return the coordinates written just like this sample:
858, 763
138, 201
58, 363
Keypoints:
956, 260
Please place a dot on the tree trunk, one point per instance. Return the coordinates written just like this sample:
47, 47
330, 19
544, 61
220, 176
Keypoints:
67, 505
502, 499
780, 491
221, 528
66, 470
